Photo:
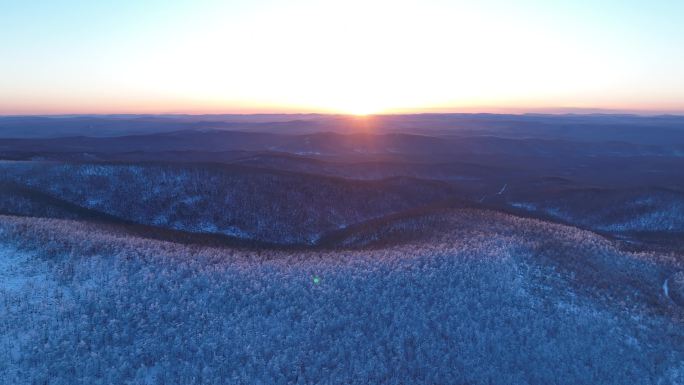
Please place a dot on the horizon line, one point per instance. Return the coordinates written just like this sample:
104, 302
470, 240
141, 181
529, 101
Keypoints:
389, 112
588, 112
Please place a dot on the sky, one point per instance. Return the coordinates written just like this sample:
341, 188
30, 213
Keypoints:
351, 56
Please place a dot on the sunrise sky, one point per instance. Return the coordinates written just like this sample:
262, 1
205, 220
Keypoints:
340, 56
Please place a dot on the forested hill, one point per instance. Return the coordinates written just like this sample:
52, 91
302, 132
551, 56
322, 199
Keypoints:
458, 306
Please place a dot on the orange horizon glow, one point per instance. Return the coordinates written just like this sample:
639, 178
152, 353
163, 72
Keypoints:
217, 109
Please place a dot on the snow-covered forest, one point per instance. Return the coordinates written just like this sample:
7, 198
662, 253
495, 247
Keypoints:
488, 299
256, 204
318, 249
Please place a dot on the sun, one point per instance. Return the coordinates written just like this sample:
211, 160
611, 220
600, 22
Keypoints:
355, 100
361, 112
360, 108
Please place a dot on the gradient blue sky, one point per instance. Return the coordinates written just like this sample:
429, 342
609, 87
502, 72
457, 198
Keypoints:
343, 56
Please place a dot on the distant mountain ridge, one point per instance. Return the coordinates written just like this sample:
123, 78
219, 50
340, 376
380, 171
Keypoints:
587, 127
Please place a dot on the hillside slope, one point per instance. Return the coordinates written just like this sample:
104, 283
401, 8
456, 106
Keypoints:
491, 299
248, 203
